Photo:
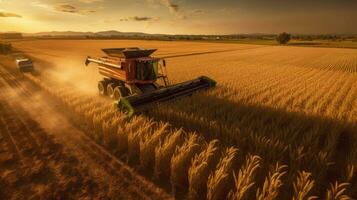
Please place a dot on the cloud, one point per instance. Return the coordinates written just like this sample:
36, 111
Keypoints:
136, 18
139, 19
174, 8
66, 8
91, 1
6, 14
41, 5
72, 9
197, 11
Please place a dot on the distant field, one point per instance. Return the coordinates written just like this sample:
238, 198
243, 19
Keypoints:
351, 44
288, 105
348, 43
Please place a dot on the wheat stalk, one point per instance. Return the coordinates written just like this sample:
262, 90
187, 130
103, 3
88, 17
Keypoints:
350, 173
245, 179
201, 167
135, 124
180, 163
220, 181
148, 144
302, 186
164, 152
134, 140
272, 184
337, 192
110, 129
122, 139
97, 124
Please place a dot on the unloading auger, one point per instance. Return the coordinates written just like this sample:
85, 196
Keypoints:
133, 78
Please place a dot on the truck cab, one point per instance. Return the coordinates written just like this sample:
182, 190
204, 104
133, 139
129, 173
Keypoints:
24, 64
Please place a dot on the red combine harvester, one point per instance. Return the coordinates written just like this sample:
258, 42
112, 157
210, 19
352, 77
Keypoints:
133, 78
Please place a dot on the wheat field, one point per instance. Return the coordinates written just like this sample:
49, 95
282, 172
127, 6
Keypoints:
281, 123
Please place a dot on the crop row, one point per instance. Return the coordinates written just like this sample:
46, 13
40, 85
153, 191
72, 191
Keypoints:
198, 166
300, 116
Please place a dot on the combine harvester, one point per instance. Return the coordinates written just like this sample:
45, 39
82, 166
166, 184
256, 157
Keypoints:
133, 78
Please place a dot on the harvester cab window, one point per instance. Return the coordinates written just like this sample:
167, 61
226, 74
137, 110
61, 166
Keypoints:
146, 70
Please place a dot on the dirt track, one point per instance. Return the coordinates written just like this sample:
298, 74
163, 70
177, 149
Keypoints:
44, 155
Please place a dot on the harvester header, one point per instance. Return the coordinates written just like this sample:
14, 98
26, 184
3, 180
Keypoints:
133, 78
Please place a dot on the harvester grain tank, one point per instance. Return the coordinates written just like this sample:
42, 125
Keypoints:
134, 78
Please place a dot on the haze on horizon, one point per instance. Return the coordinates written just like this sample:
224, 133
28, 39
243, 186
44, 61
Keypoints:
181, 16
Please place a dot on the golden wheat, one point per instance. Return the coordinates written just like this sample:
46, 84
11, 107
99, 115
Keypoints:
272, 184
337, 192
181, 161
164, 152
148, 144
285, 104
302, 186
201, 167
221, 180
134, 140
245, 178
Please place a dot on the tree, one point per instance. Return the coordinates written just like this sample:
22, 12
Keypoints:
283, 38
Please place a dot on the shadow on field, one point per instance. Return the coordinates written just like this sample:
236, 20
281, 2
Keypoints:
246, 126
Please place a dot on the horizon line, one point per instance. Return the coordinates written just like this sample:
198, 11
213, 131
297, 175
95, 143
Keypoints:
257, 33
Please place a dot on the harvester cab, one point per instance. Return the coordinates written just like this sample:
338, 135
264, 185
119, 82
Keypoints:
134, 78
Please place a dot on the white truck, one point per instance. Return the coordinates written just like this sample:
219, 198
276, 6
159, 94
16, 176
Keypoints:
24, 64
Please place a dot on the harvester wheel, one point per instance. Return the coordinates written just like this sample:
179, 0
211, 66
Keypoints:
110, 89
120, 91
102, 87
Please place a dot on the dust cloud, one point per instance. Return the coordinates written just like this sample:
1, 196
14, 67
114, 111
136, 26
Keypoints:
16, 91
70, 72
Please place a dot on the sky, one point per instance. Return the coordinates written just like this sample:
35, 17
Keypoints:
181, 16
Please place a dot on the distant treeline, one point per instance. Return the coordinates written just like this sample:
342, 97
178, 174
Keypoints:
324, 37
202, 37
